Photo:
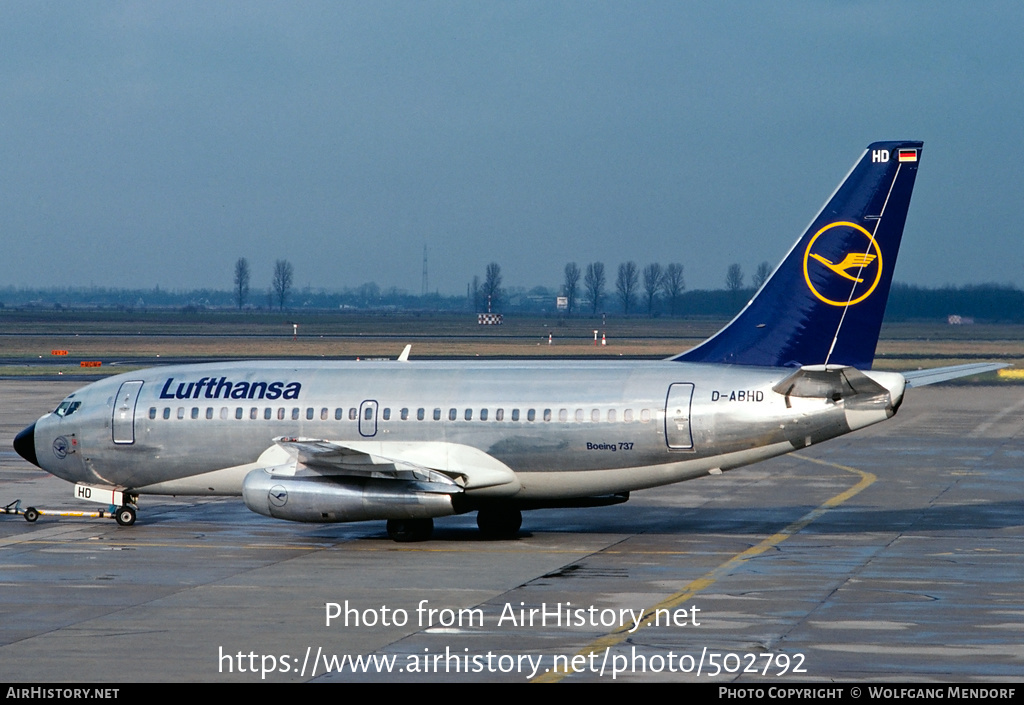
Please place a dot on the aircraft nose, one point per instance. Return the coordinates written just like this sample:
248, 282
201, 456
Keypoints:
25, 444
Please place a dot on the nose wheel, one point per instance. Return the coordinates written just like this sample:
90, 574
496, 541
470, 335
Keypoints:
125, 516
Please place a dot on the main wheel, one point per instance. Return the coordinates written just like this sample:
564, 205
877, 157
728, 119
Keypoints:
499, 522
408, 530
125, 516
31, 514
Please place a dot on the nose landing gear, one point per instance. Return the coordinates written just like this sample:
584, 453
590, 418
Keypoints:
125, 515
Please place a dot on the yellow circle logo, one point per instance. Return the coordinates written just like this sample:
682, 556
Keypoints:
854, 266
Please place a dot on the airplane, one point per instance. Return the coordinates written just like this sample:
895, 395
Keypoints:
409, 441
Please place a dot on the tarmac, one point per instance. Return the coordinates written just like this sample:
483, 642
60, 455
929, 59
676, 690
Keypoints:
889, 555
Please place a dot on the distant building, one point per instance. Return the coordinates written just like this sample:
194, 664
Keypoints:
955, 320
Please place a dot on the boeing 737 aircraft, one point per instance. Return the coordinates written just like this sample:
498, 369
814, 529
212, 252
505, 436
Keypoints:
409, 441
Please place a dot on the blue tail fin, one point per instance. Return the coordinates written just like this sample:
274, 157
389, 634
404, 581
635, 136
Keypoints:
825, 302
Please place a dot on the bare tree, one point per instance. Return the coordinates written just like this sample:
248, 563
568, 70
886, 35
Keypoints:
652, 285
572, 285
626, 284
473, 294
491, 291
241, 281
734, 278
283, 275
593, 282
761, 275
673, 285
369, 294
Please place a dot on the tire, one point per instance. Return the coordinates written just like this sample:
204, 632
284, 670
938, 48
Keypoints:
410, 530
31, 514
499, 522
125, 516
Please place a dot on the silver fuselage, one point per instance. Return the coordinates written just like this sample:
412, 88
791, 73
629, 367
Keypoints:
567, 429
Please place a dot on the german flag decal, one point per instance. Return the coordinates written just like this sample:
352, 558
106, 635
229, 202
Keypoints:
908, 155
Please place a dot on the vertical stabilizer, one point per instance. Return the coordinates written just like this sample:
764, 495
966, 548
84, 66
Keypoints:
825, 302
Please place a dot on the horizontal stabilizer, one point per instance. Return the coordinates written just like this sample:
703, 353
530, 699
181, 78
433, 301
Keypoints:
922, 378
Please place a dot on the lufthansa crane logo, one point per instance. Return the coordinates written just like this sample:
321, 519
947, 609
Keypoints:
277, 496
862, 265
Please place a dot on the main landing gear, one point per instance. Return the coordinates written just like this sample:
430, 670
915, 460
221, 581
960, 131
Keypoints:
410, 530
493, 522
499, 522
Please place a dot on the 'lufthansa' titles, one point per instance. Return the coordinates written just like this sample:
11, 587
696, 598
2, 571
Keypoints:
223, 388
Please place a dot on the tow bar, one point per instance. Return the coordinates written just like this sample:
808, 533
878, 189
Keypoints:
31, 513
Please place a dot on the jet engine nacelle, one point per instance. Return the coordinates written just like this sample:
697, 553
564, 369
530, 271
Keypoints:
338, 499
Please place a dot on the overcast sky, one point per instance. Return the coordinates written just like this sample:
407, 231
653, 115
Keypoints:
154, 143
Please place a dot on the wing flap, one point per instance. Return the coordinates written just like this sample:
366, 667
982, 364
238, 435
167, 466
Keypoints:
458, 467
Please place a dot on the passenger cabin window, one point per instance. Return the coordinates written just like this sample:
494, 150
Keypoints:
499, 414
152, 412
353, 414
209, 412
323, 414
437, 414
167, 412
238, 412
338, 414
387, 413
483, 414
531, 415
195, 412
469, 415
420, 414
453, 414
404, 414
309, 413
268, 413
547, 414
515, 414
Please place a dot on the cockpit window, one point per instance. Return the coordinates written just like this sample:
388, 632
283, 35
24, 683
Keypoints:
67, 407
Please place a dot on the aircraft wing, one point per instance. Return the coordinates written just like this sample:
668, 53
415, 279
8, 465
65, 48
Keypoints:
922, 378
452, 467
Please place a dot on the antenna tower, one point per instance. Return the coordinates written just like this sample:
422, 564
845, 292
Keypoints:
423, 290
